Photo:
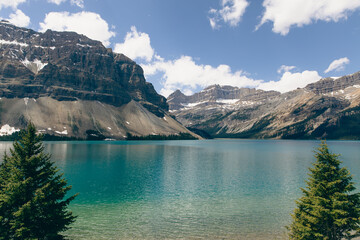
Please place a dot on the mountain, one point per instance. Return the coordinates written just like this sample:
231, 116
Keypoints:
329, 108
70, 85
218, 94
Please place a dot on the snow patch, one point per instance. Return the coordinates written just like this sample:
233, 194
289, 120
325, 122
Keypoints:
34, 66
65, 132
247, 103
227, 101
81, 45
191, 105
26, 100
7, 130
349, 96
5, 42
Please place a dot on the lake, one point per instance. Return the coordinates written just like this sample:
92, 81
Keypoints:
210, 189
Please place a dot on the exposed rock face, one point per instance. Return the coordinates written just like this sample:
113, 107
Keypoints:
328, 85
70, 85
217, 93
68, 66
82, 118
328, 109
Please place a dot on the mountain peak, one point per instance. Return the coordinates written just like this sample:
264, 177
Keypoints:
218, 94
69, 66
68, 84
328, 109
327, 85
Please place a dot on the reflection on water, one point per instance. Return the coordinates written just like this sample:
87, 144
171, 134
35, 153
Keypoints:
218, 189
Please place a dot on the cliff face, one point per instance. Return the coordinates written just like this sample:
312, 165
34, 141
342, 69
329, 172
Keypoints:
329, 108
328, 85
70, 85
217, 93
68, 66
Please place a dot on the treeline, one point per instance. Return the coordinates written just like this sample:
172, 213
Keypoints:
180, 136
96, 137
12, 137
45, 137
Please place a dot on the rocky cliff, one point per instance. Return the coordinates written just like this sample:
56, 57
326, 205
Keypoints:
329, 108
218, 94
68, 84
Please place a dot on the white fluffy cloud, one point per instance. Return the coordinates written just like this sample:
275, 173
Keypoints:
136, 45
79, 3
287, 13
188, 76
185, 74
231, 13
337, 65
57, 2
10, 3
291, 81
19, 19
285, 68
87, 23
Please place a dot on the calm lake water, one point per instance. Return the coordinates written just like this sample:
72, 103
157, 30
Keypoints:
212, 189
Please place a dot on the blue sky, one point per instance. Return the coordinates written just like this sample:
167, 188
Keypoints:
188, 45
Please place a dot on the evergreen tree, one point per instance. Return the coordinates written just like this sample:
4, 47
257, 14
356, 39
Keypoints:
32, 192
327, 210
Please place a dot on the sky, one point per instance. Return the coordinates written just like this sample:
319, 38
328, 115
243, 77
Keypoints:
191, 44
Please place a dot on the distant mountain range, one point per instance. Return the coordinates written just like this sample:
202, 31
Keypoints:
327, 109
69, 85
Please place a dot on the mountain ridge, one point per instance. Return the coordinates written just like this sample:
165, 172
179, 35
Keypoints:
328, 108
69, 85
70, 62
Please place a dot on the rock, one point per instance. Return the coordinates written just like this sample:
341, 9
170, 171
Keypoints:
215, 93
71, 86
69, 65
326, 109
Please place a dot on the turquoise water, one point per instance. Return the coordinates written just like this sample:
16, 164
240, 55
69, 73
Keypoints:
213, 189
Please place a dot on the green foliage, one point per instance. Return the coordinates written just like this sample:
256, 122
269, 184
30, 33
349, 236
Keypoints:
202, 133
32, 192
12, 137
180, 136
45, 137
327, 210
93, 135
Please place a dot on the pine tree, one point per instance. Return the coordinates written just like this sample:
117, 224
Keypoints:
32, 192
327, 210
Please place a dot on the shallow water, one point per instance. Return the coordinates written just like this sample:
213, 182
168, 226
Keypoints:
212, 189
